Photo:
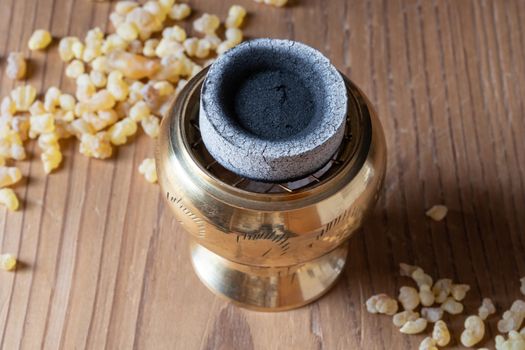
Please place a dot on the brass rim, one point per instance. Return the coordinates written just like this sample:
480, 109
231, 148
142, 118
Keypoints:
344, 164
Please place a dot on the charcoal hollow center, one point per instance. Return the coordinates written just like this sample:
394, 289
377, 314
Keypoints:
273, 104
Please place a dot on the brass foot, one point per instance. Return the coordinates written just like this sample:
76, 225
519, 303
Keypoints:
268, 288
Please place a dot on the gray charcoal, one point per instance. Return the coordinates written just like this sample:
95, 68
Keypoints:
273, 110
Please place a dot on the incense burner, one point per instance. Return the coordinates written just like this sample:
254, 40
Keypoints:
271, 239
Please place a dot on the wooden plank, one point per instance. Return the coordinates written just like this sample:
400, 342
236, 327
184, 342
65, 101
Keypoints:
105, 265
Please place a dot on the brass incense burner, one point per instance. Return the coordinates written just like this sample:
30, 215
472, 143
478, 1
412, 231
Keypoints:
269, 246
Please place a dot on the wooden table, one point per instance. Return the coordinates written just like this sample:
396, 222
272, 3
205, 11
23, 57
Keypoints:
106, 266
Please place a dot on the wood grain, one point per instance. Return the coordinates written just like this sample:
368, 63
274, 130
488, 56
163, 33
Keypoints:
105, 266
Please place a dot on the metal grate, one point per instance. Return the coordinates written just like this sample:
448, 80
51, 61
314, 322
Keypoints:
215, 169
